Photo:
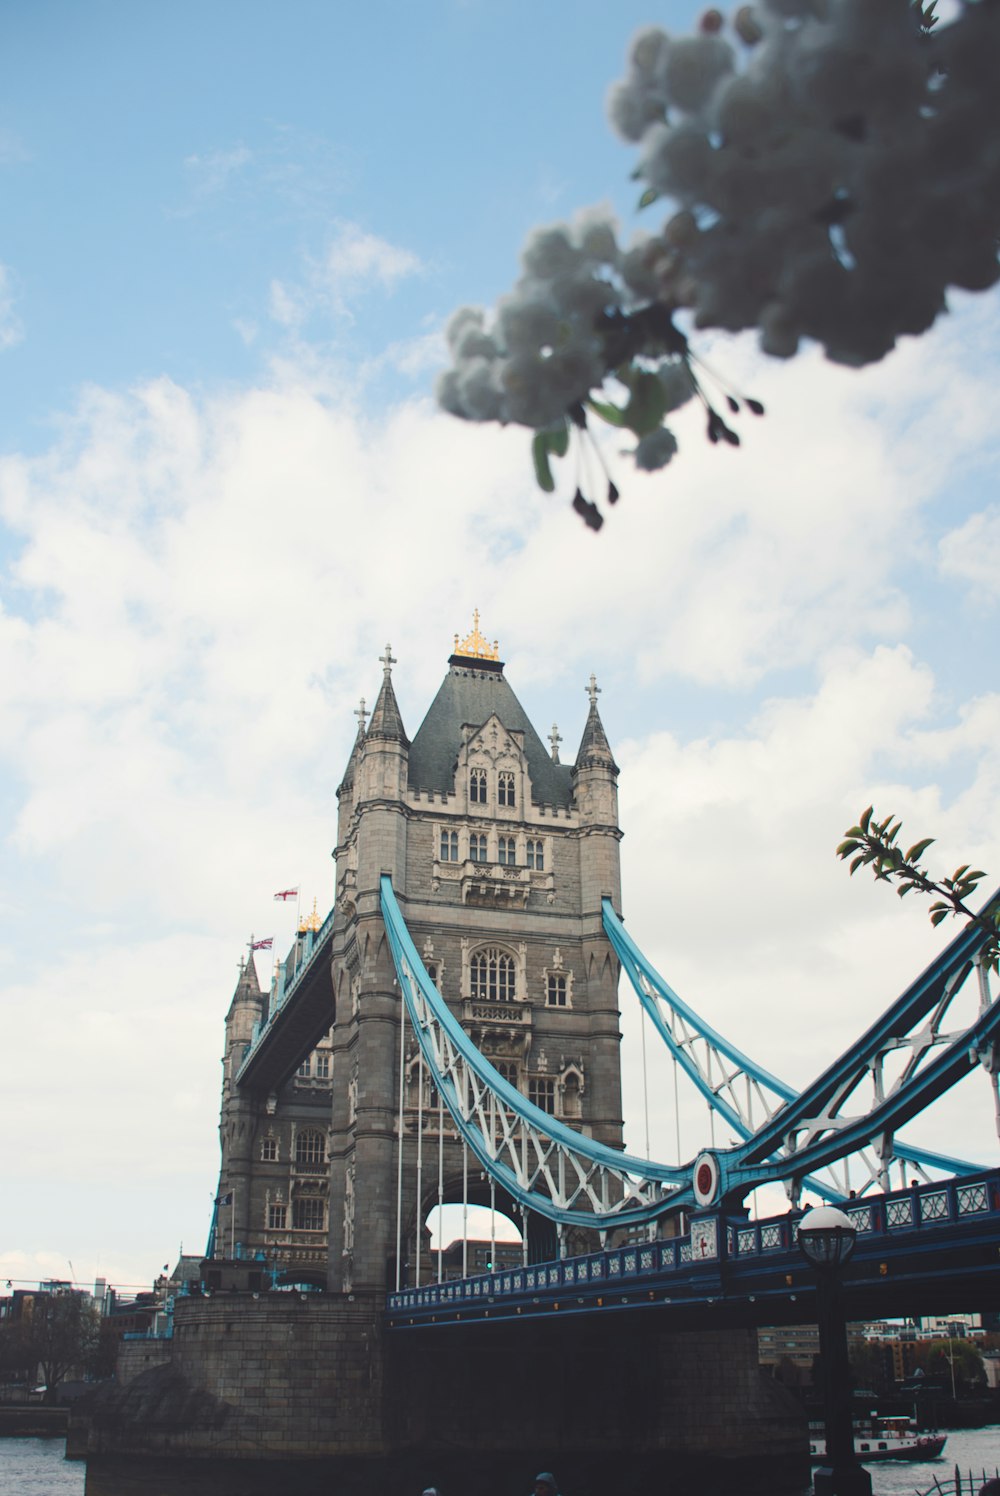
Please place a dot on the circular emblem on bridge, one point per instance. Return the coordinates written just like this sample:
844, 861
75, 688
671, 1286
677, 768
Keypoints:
706, 1178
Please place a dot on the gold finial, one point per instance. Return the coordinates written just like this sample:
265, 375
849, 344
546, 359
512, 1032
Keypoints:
310, 921
474, 646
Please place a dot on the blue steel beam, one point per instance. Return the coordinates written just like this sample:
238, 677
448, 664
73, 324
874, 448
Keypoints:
654, 992
543, 1164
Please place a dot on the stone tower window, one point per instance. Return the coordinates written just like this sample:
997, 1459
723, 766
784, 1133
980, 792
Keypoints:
310, 1147
477, 786
492, 973
477, 848
269, 1150
555, 992
536, 856
505, 787
307, 1214
305, 1069
507, 849
322, 1064
542, 1091
277, 1215
449, 846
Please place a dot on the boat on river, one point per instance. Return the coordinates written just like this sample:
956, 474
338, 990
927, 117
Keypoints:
890, 1438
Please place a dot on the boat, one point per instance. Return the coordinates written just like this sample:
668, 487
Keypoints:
889, 1438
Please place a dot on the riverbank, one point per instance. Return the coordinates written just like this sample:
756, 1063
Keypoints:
33, 1422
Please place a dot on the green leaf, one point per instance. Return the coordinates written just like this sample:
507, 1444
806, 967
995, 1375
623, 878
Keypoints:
540, 457
558, 440
938, 915
609, 413
865, 819
647, 405
648, 197
847, 847
858, 862
919, 848
904, 889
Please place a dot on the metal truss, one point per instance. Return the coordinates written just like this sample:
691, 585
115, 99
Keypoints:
545, 1166
749, 1097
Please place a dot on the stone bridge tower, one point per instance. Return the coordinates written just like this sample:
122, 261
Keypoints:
499, 855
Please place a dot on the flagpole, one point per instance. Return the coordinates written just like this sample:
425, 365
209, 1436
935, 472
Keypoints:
232, 1226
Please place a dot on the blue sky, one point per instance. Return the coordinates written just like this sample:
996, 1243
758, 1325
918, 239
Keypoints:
230, 241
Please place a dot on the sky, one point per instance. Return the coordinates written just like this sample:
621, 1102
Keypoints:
231, 239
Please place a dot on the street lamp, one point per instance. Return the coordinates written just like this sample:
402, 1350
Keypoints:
826, 1238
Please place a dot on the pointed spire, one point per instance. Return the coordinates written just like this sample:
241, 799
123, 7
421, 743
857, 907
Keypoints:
247, 985
595, 750
386, 721
347, 782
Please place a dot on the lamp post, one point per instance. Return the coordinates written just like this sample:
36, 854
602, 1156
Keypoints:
826, 1239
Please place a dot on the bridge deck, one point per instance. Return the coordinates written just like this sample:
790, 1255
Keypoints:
302, 1013
932, 1249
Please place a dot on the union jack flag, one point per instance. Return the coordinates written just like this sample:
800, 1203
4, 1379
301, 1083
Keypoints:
262, 945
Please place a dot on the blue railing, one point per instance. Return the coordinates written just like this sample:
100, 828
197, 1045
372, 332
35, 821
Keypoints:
740, 1244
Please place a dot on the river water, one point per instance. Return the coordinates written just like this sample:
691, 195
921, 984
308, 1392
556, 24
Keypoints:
36, 1467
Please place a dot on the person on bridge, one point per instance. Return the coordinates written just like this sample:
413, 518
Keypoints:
545, 1484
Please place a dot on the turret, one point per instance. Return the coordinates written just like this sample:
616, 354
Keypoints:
595, 787
380, 786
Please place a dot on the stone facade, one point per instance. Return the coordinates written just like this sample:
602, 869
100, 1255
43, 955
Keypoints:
274, 1183
499, 856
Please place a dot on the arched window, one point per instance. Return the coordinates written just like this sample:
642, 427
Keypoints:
493, 975
310, 1147
555, 994
536, 856
477, 848
449, 846
507, 849
269, 1150
477, 786
505, 787
508, 1069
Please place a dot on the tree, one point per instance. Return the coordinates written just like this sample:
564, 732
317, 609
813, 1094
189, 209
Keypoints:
831, 169
55, 1334
873, 843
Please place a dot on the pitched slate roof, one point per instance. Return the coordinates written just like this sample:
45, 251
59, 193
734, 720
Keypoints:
594, 746
386, 720
469, 695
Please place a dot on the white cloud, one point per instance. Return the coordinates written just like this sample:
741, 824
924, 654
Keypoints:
11, 326
972, 553
202, 586
212, 171
354, 263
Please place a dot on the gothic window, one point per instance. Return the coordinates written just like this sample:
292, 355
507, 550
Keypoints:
536, 856
449, 846
277, 1215
507, 850
508, 1069
310, 1147
505, 787
307, 1214
571, 1096
477, 786
555, 994
542, 1091
305, 1069
322, 1065
269, 1150
477, 848
492, 976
